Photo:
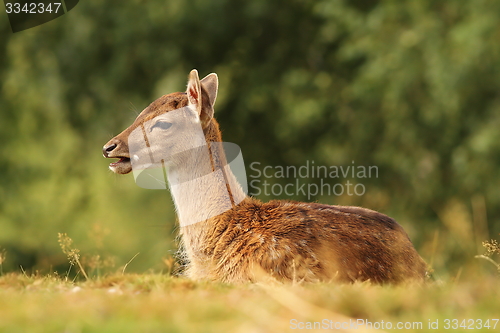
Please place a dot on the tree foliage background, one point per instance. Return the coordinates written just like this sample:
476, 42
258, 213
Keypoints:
412, 87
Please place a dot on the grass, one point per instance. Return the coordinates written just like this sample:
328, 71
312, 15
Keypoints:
161, 303
124, 302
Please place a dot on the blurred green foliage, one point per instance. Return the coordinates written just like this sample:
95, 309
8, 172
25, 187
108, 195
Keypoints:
411, 87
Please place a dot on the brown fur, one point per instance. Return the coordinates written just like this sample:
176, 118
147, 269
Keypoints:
290, 241
302, 241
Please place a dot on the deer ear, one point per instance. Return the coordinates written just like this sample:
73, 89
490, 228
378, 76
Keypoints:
211, 85
194, 90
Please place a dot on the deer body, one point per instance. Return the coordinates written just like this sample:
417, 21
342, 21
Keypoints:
228, 236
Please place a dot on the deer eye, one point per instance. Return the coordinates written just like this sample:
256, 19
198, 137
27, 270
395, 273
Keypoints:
161, 124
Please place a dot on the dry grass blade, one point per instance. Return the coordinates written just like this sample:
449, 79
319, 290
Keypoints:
304, 308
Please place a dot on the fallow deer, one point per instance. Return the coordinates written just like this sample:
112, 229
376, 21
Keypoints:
288, 240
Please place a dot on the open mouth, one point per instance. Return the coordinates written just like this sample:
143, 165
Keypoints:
121, 160
122, 166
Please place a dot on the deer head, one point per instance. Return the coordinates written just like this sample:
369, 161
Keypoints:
162, 116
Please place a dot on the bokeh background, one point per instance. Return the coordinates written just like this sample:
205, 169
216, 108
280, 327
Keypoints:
412, 87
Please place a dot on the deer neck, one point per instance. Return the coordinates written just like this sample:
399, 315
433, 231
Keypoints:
202, 184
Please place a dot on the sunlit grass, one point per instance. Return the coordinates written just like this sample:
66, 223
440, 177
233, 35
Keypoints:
161, 303
124, 302
492, 249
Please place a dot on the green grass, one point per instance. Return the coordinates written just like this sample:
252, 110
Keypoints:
161, 303
87, 299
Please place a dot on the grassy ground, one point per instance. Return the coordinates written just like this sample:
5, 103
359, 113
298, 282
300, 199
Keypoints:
160, 303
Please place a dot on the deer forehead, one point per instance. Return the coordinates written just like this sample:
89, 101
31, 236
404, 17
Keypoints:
162, 105
184, 119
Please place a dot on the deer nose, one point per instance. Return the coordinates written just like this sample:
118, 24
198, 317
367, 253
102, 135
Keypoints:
107, 149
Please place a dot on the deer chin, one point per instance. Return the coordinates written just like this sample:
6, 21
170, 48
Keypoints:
122, 166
